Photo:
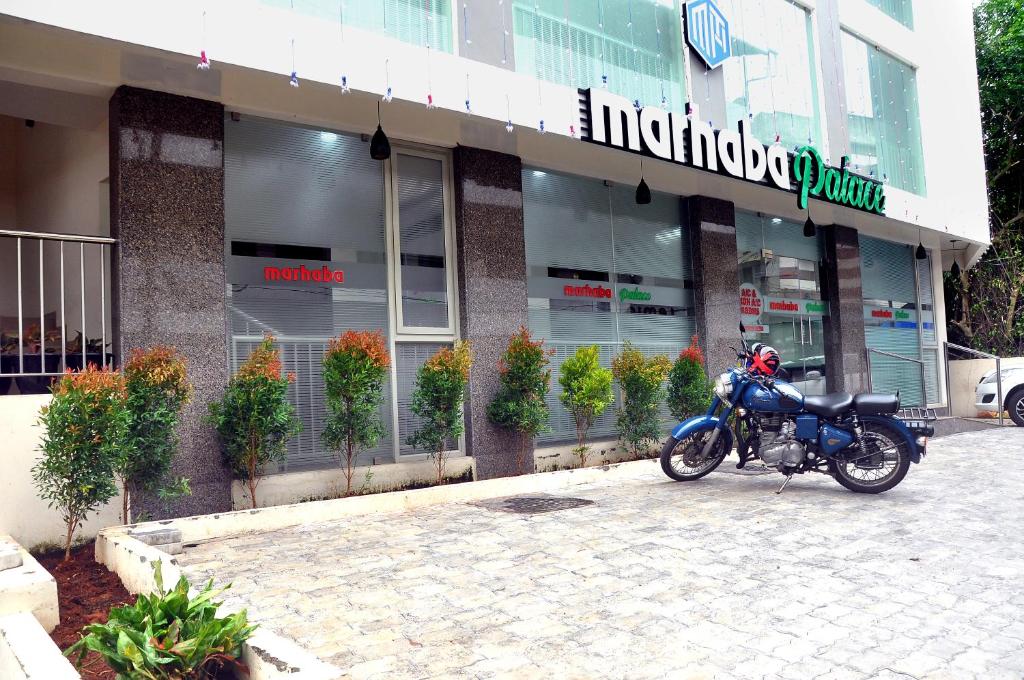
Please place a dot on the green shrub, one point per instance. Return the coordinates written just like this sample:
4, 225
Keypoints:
689, 390
640, 378
519, 403
586, 393
355, 366
168, 636
254, 418
157, 387
437, 401
86, 430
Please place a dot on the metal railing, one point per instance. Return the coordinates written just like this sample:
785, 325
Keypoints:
920, 365
946, 346
69, 247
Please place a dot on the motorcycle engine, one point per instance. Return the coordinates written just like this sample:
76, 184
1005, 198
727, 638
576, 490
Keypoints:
778, 446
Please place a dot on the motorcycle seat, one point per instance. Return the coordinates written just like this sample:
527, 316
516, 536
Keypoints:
829, 405
876, 404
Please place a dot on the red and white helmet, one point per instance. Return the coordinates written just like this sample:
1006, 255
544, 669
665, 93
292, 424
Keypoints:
764, 360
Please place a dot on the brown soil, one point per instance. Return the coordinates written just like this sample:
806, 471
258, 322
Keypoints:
86, 592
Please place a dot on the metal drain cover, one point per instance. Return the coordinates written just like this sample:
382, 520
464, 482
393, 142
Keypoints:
534, 504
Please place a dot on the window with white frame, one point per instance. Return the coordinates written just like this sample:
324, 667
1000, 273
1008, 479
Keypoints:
322, 239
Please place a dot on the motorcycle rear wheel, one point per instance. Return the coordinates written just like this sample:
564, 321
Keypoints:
679, 457
894, 461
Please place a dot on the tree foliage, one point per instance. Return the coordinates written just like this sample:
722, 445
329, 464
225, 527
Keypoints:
157, 388
254, 418
86, 431
641, 381
689, 390
586, 393
355, 366
437, 401
985, 307
519, 403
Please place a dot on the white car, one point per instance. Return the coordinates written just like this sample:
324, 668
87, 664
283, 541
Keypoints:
1013, 393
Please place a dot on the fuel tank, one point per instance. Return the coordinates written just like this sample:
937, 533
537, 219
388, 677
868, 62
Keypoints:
782, 398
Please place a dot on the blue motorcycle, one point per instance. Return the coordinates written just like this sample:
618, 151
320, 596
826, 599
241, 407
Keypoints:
857, 439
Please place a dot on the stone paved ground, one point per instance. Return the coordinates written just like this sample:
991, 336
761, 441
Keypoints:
715, 579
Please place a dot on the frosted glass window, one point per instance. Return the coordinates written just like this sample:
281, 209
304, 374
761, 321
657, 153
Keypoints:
418, 22
883, 119
303, 200
603, 270
420, 188
772, 81
632, 46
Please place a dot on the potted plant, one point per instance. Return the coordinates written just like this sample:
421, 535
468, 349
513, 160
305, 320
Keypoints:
641, 381
95, 352
689, 390
586, 393
437, 400
254, 418
355, 366
519, 403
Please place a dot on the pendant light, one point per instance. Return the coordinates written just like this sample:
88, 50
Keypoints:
920, 253
643, 192
954, 271
380, 146
809, 229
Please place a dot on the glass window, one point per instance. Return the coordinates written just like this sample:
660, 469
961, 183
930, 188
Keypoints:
603, 270
899, 319
419, 22
900, 10
772, 80
883, 119
780, 294
421, 243
307, 259
632, 46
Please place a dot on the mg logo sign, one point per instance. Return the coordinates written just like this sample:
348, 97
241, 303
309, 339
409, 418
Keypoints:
707, 32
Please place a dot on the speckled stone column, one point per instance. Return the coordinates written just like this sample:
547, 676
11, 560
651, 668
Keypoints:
492, 291
168, 280
716, 278
845, 361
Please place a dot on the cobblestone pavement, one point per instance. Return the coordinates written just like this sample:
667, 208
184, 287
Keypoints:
720, 578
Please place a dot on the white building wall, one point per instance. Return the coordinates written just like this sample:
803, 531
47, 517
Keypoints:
259, 38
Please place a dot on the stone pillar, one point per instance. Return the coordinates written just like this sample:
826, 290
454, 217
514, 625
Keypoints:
845, 361
168, 279
716, 288
492, 291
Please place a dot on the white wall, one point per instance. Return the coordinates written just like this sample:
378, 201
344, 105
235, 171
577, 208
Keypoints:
23, 514
964, 376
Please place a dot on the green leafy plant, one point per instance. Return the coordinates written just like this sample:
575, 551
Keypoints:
169, 636
689, 390
355, 366
641, 381
254, 418
519, 403
157, 387
586, 393
86, 430
437, 401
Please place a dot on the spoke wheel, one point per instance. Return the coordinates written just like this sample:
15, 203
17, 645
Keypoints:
884, 467
683, 459
1015, 405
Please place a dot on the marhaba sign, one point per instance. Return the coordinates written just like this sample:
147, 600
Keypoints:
611, 120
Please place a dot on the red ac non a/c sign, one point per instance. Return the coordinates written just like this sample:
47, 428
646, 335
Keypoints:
302, 273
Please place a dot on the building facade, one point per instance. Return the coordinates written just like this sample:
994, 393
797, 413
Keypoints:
200, 174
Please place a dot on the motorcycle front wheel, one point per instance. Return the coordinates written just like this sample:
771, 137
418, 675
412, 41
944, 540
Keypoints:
885, 466
683, 459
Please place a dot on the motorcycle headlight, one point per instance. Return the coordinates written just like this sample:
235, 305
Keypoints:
723, 386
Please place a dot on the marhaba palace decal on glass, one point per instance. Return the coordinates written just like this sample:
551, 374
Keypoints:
611, 120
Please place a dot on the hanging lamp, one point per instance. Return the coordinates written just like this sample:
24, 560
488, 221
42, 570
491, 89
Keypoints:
643, 192
380, 146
